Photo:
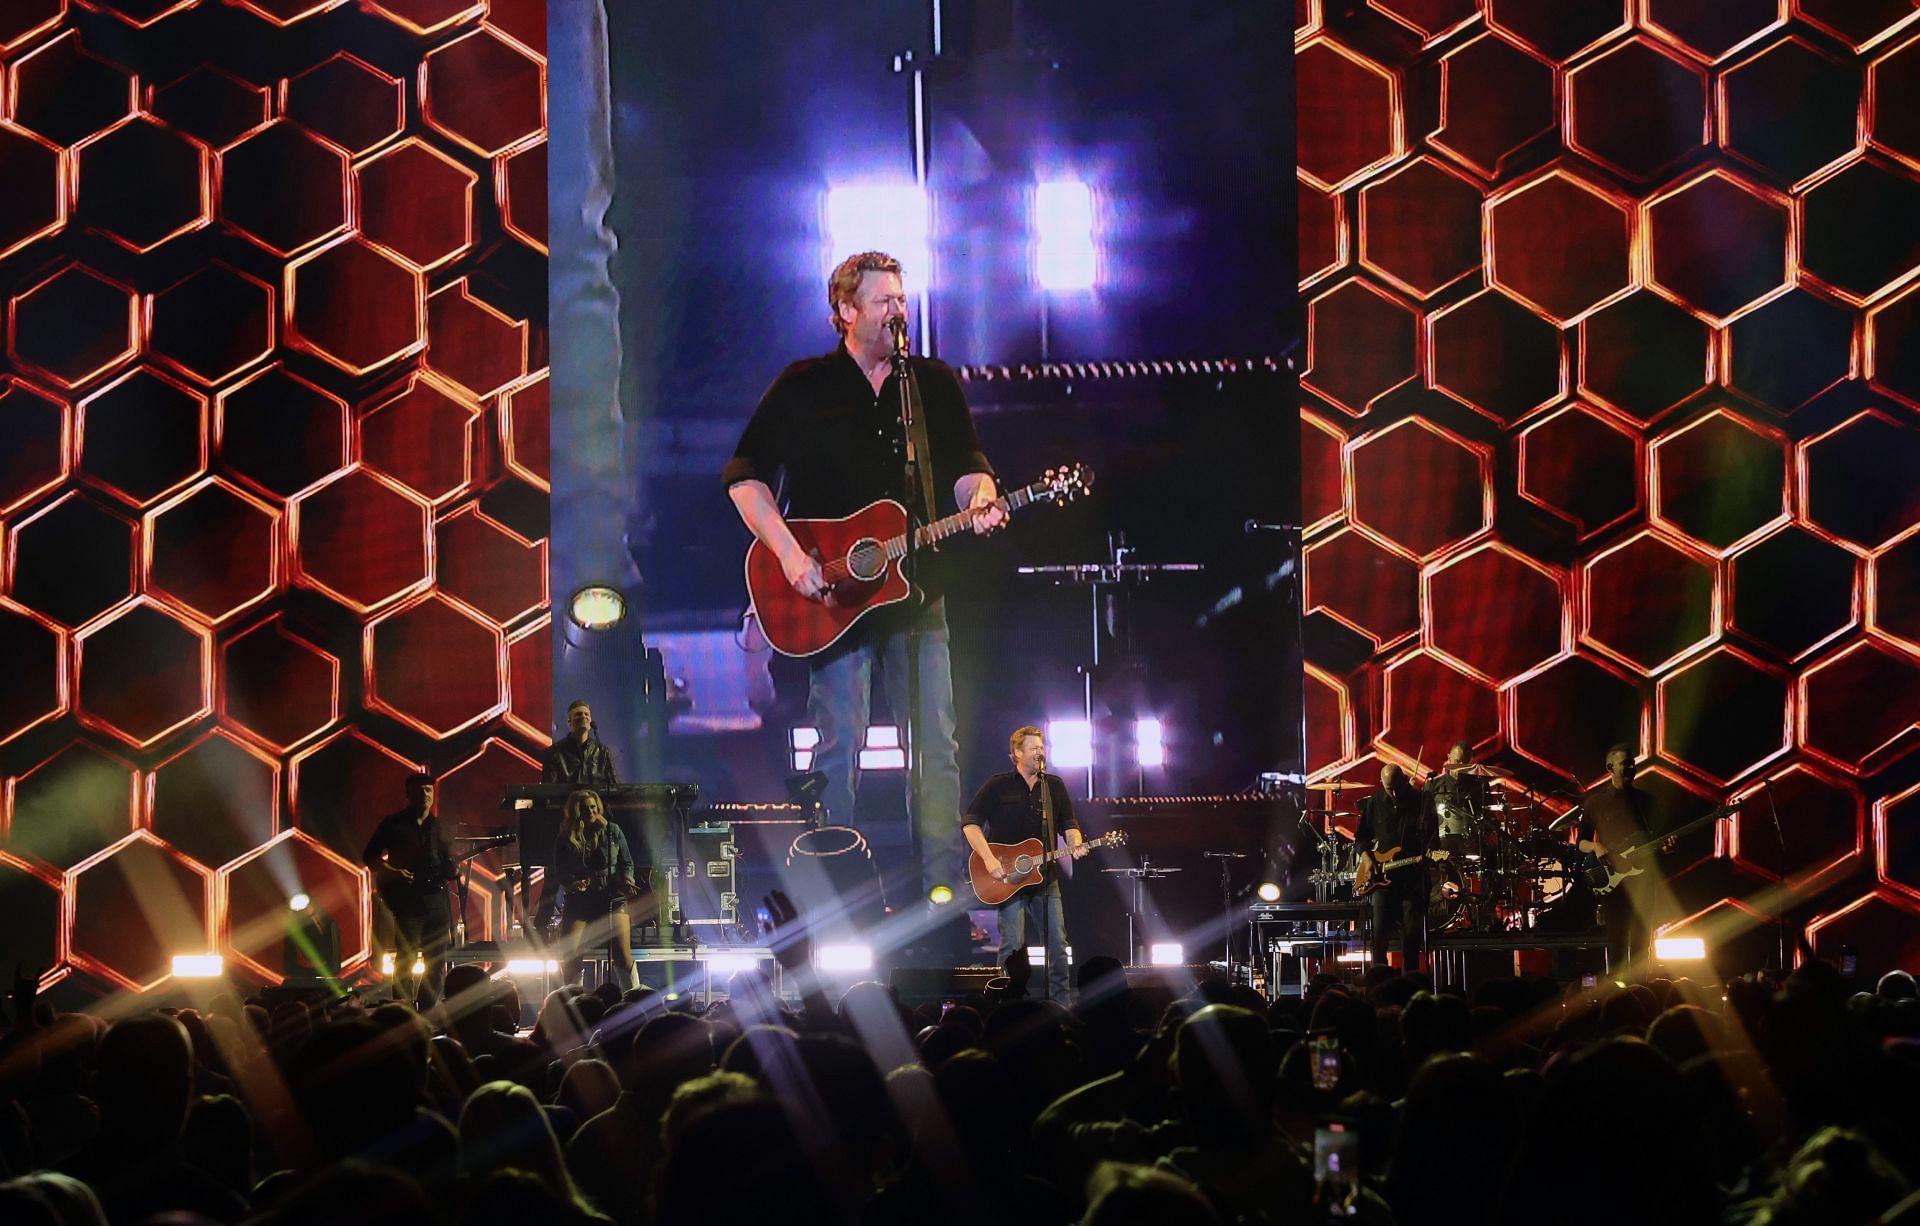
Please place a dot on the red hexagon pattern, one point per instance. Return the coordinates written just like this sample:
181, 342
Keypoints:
1703, 222
205, 503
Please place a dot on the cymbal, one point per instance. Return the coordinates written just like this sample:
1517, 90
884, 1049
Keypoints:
1488, 770
1339, 785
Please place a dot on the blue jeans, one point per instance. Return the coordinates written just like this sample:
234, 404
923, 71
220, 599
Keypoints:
839, 701
1035, 917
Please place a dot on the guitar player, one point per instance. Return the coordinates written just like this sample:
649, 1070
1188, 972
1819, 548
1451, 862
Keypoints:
1009, 808
830, 427
412, 863
1614, 817
1398, 816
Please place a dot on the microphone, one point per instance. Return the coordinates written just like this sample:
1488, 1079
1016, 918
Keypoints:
897, 324
1253, 526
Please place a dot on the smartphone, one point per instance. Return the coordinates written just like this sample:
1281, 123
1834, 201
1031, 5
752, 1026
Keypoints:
1324, 1051
1587, 981
1336, 1169
946, 1007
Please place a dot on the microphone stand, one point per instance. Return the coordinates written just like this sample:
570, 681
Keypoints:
919, 499
1779, 920
1046, 904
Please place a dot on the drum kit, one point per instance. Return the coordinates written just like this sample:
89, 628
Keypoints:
1505, 868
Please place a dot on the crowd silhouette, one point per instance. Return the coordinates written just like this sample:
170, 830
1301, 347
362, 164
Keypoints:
1771, 1100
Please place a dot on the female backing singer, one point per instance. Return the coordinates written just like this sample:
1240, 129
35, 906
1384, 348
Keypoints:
592, 862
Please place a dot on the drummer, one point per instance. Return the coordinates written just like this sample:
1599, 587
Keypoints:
1459, 797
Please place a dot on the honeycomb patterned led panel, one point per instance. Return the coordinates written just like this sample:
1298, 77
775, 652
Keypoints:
1611, 424
274, 276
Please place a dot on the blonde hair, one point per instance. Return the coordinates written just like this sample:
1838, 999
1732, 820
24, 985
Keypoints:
581, 808
844, 282
1021, 734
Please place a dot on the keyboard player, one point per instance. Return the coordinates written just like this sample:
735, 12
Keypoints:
579, 758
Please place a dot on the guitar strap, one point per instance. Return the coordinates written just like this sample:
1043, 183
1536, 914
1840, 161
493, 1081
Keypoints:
922, 451
1046, 813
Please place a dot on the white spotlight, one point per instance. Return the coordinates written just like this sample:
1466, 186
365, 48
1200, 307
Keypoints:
386, 964
882, 751
1070, 743
530, 966
1166, 953
1148, 746
1679, 949
597, 606
844, 958
299, 902
1268, 891
889, 217
198, 966
729, 964
1064, 255
801, 742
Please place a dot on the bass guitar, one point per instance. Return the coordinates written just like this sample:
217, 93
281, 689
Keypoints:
1029, 859
1604, 878
861, 559
1370, 871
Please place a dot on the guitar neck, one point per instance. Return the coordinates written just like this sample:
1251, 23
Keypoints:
1061, 853
1682, 832
960, 521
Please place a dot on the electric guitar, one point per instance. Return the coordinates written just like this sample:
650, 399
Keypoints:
1604, 878
1370, 871
1029, 859
861, 558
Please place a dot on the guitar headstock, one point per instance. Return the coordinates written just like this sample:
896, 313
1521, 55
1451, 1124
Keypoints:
1062, 485
1113, 838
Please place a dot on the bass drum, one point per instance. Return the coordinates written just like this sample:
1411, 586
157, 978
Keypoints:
1446, 897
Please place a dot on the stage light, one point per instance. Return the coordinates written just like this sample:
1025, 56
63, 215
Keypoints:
1166, 953
940, 895
882, 751
198, 966
530, 966
597, 606
1070, 743
386, 964
1679, 949
419, 966
1148, 746
844, 958
299, 902
1037, 955
889, 217
1353, 955
1064, 256
801, 742
1267, 891
728, 964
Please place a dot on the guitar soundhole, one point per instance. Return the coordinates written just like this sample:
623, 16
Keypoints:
866, 561
1022, 865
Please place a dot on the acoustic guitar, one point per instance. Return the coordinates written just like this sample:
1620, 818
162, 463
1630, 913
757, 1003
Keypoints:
1029, 859
861, 559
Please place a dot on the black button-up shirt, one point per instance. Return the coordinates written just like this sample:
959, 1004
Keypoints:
1008, 808
840, 444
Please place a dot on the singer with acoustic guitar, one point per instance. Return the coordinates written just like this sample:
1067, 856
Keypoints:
1012, 807
830, 427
